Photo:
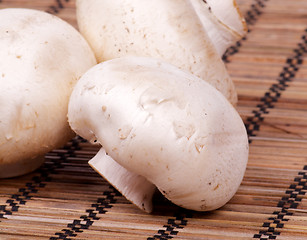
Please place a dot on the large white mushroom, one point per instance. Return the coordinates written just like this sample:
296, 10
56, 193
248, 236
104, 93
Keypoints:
181, 32
160, 126
41, 58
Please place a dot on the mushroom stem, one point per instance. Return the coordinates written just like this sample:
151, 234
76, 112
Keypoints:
134, 187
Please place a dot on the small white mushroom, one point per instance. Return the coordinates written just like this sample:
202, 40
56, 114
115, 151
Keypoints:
222, 20
178, 32
160, 126
41, 59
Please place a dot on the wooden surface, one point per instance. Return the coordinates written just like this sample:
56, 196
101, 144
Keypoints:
66, 199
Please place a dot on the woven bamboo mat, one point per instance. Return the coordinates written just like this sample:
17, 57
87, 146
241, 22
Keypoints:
66, 199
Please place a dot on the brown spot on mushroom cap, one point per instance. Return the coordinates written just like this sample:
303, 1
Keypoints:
183, 129
124, 132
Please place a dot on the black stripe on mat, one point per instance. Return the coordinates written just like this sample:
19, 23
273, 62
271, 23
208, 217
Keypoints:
291, 199
39, 181
274, 92
297, 190
101, 206
20, 198
56, 7
170, 231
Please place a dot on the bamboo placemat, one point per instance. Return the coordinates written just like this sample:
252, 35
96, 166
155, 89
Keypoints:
66, 199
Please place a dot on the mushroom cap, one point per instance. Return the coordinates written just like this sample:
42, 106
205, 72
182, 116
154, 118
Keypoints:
166, 125
41, 59
162, 29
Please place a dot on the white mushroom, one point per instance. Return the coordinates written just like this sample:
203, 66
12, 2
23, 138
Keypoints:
160, 126
222, 20
41, 59
170, 30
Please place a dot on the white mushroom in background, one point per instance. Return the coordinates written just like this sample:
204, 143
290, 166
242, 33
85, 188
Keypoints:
181, 32
160, 126
41, 59
222, 20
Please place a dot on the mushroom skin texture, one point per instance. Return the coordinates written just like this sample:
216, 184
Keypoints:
41, 59
164, 124
169, 30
